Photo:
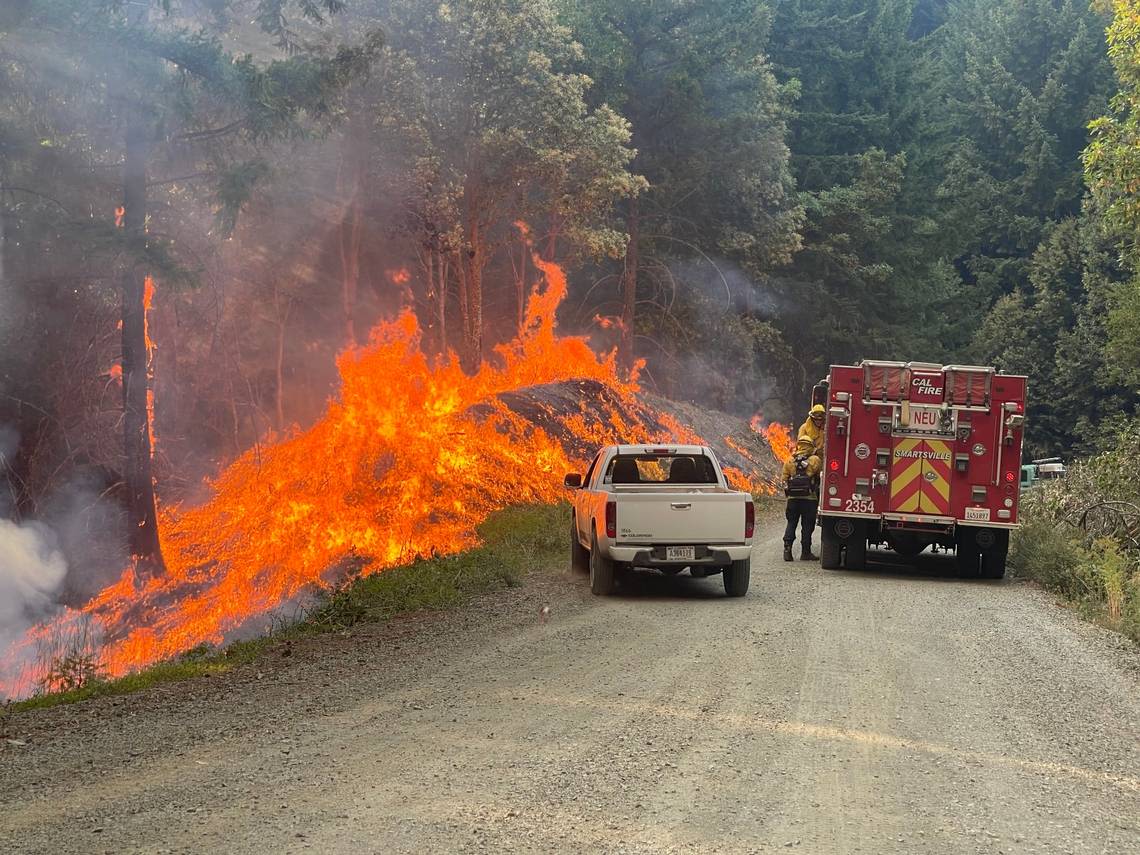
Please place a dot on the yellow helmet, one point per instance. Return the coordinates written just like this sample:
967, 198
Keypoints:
818, 410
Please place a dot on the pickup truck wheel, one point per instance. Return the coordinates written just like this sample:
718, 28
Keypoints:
579, 555
736, 577
601, 570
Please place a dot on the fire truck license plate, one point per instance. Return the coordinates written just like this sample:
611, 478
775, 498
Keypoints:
680, 553
978, 514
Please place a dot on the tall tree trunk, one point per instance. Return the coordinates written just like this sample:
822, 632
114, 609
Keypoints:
142, 513
520, 282
441, 302
471, 271
629, 288
282, 317
350, 240
552, 238
435, 269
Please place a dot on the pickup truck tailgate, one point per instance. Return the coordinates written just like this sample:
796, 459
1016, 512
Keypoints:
694, 517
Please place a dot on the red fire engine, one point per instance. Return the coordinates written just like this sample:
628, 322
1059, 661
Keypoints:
917, 455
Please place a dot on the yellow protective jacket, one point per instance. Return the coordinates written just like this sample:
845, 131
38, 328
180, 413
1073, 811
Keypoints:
813, 434
814, 465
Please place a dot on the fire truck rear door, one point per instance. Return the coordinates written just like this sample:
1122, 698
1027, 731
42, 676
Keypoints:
920, 476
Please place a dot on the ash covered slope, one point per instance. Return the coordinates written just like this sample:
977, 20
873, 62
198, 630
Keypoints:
582, 415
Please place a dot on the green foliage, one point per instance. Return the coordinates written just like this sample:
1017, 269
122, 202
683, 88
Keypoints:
1097, 567
517, 542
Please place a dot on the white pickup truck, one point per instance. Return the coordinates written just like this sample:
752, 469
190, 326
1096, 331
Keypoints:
659, 507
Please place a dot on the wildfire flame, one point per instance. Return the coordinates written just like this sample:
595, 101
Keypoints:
406, 462
779, 437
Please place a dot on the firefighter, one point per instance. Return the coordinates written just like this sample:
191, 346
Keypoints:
801, 486
812, 429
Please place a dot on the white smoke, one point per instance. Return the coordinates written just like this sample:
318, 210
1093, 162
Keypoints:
32, 571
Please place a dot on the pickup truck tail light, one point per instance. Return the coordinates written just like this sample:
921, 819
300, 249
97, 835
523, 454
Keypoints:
749, 519
611, 520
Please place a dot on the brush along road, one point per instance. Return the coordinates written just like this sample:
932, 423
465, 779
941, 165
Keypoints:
827, 711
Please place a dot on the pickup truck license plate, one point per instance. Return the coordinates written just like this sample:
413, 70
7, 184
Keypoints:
680, 553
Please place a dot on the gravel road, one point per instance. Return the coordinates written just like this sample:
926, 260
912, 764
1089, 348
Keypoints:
878, 712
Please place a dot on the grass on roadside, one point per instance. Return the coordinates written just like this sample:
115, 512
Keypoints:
515, 542
1099, 578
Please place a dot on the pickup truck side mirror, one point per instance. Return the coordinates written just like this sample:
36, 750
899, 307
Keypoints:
573, 480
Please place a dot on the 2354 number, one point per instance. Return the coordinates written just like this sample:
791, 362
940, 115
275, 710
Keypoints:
860, 506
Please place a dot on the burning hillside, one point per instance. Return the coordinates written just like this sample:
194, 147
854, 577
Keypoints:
405, 463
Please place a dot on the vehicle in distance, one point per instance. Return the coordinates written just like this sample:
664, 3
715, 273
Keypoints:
659, 507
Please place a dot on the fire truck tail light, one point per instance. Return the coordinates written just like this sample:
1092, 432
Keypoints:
832, 490
611, 520
834, 465
835, 503
1010, 477
749, 519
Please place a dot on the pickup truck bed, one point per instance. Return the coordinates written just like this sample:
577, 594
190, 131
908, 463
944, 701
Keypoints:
665, 508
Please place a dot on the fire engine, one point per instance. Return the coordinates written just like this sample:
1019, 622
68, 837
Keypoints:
920, 455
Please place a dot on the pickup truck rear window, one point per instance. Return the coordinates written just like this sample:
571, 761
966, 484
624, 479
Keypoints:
660, 469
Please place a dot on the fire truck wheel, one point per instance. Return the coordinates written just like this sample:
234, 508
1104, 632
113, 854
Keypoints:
993, 557
579, 555
855, 549
601, 570
736, 577
969, 556
829, 547
993, 565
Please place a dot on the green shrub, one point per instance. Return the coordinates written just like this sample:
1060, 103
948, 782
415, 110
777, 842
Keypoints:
1102, 579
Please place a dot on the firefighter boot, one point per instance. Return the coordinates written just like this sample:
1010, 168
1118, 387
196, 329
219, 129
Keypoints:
806, 555
787, 552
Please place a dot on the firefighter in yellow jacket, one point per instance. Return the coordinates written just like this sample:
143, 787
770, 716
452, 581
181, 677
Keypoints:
801, 486
812, 429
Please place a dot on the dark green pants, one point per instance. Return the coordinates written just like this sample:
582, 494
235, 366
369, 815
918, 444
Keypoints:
800, 512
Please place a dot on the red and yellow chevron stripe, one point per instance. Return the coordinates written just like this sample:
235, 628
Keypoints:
920, 476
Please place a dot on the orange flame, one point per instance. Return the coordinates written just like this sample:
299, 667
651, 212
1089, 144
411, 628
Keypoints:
400, 277
405, 463
779, 438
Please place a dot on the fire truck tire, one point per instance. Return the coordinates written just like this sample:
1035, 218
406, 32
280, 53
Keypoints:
993, 565
601, 570
736, 577
855, 549
828, 547
993, 558
579, 555
968, 555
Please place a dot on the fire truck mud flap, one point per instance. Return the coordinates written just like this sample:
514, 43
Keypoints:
843, 543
